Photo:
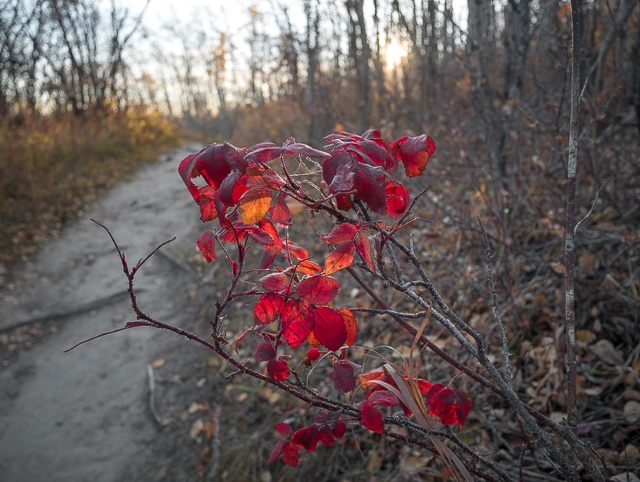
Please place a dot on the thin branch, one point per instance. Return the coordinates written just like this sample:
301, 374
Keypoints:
496, 307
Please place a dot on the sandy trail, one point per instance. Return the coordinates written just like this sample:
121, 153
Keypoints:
84, 415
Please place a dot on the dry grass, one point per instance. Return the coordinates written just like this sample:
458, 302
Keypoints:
50, 169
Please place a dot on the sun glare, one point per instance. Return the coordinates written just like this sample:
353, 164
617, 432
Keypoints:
394, 53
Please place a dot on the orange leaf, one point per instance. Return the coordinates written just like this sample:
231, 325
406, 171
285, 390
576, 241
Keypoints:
340, 258
351, 325
254, 204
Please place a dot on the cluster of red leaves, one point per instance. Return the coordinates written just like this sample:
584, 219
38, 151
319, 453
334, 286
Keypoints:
248, 198
359, 165
445, 402
326, 428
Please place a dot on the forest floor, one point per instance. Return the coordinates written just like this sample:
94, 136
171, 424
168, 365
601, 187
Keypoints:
145, 405
88, 414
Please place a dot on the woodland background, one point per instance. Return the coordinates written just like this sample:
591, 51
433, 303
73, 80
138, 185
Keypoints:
88, 93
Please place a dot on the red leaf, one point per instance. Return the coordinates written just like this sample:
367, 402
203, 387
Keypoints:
342, 181
298, 252
364, 248
291, 456
330, 166
208, 210
289, 450
340, 234
274, 282
370, 417
329, 328
448, 404
397, 199
261, 237
265, 352
283, 429
273, 180
384, 398
254, 204
277, 451
343, 377
414, 152
278, 369
297, 322
350, 325
292, 147
307, 437
205, 243
341, 257
369, 183
235, 157
268, 308
232, 188
318, 290
280, 212
264, 154
268, 226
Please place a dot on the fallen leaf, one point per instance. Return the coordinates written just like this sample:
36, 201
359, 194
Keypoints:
196, 428
158, 363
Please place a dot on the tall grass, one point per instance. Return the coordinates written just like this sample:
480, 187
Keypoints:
51, 168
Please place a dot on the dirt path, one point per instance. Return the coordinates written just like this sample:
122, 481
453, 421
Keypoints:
85, 415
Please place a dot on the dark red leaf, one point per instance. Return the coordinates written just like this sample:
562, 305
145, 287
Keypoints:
364, 248
261, 237
342, 181
340, 234
341, 257
275, 282
291, 455
280, 212
264, 154
283, 429
414, 152
397, 199
265, 352
273, 180
307, 437
384, 398
329, 328
343, 376
278, 369
268, 308
277, 451
206, 245
235, 157
448, 404
370, 417
318, 290
206, 200
292, 147
330, 166
369, 183
297, 322
232, 188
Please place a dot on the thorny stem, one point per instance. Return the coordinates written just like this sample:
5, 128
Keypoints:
314, 398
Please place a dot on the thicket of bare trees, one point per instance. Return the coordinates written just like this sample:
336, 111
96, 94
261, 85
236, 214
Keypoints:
58, 56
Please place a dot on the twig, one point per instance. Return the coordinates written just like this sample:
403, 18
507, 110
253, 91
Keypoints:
496, 308
417, 315
152, 398
593, 206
